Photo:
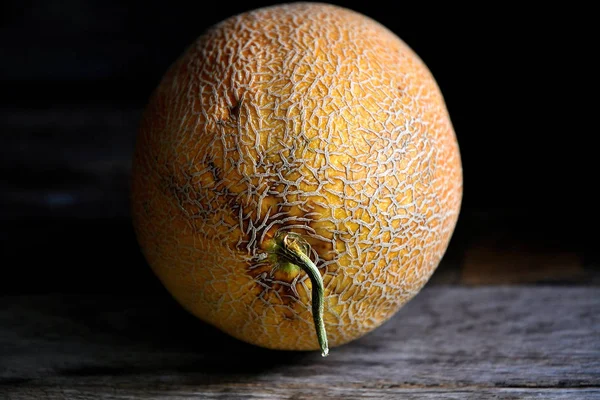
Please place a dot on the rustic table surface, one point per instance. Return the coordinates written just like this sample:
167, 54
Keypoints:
455, 342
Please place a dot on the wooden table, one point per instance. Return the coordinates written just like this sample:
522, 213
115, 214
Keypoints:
451, 342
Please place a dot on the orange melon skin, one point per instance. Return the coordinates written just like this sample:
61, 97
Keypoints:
308, 118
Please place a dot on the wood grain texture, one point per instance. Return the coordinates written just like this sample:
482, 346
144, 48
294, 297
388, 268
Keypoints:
450, 342
222, 392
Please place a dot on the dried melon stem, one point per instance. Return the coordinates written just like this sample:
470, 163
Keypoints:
291, 248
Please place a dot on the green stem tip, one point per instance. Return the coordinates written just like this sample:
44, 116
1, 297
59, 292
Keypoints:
292, 248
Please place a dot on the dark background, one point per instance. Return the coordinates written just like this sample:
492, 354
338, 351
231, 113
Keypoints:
75, 75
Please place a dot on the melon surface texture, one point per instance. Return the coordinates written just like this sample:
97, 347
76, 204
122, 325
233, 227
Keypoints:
301, 118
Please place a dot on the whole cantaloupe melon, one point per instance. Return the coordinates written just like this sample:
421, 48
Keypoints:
287, 138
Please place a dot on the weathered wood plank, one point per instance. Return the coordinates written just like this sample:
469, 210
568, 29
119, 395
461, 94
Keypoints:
447, 337
296, 393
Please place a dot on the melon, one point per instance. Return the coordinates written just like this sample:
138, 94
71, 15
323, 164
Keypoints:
296, 177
